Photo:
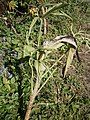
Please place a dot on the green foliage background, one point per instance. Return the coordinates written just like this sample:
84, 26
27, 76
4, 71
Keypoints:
60, 99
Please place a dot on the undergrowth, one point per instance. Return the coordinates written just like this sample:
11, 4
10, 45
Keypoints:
21, 56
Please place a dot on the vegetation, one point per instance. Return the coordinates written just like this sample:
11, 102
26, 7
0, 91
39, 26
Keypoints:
35, 81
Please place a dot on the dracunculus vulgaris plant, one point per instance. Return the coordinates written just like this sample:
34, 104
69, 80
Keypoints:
37, 64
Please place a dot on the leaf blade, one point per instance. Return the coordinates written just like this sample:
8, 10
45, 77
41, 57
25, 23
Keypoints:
55, 7
71, 53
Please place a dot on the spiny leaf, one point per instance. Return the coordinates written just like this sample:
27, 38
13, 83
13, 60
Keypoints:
36, 65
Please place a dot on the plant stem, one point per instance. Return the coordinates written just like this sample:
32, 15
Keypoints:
31, 101
29, 108
45, 21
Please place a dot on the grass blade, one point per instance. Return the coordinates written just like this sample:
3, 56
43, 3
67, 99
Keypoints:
55, 7
30, 29
62, 14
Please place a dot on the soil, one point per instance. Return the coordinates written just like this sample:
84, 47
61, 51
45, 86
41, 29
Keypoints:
81, 70
85, 61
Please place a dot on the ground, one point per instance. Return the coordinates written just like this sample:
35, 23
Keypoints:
81, 70
85, 61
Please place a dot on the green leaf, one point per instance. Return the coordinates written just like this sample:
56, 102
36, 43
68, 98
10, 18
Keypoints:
52, 45
72, 51
12, 5
51, 75
55, 7
75, 107
6, 83
36, 65
39, 66
62, 14
28, 50
32, 24
40, 32
30, 29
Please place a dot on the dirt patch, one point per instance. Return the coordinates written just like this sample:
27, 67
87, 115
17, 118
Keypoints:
85, 61
81, 70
